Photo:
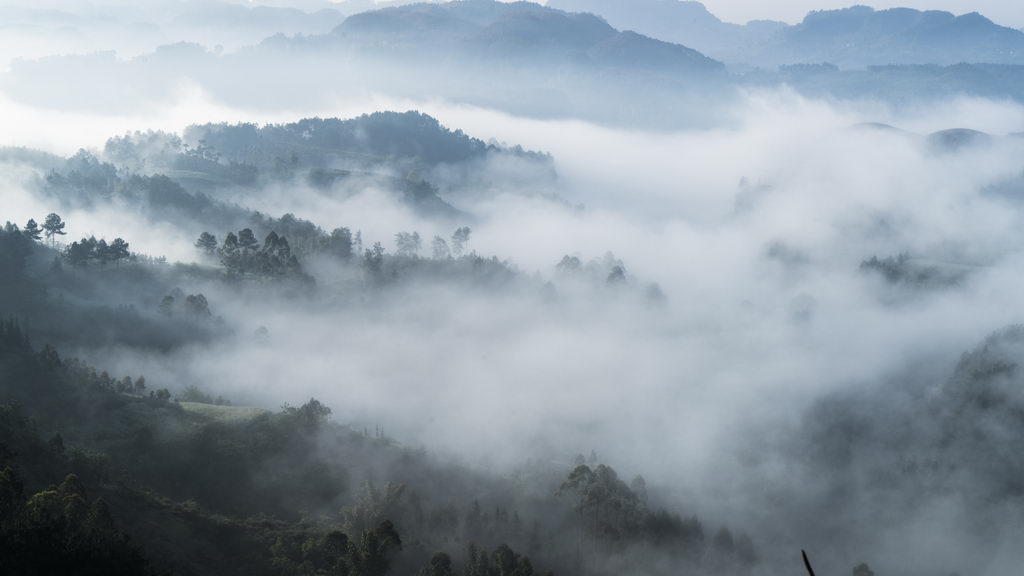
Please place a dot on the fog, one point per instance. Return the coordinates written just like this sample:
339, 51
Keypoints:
744, 342
745, 313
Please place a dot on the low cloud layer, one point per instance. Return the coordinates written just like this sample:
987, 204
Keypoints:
753, 231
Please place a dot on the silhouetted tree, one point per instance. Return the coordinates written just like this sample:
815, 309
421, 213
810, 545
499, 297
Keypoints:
374, 258
167, 305
440, 249
460, 238
408, 244
32, 230
599, 491
617, 275
78, 254
102, 252
230, 252
119, 251
341, 243
53, 226
569, 264
197, 306
247, 241
276, 258
207, 243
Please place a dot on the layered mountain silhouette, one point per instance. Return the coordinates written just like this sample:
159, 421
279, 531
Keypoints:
682, 22
520, 32
860, 36
533, 60
854, 37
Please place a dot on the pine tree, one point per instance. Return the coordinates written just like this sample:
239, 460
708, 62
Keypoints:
247, 240
118, 250
32, 230
53, 226
207, 243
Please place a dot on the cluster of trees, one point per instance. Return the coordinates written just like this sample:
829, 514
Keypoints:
59, 531
15, 246
902, 269
335, 553
342, 243
51, 227
241, 254
616, 513
610, 268
615, 508
503, 561
194, 306
85, 181
14, 338
894, 268
444, 253
123, 385
102, 381
409, 244
381, 136
161, 151
80, 253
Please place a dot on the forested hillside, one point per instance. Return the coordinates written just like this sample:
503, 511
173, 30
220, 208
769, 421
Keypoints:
492, 288
124, 473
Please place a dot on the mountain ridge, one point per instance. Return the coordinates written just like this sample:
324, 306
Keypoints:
854, 37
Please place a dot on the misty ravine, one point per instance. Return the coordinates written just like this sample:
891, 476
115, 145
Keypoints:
485, 288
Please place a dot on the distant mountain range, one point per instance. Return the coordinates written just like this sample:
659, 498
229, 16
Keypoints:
854, 37
682, 22
676, 33
533, 60
522, 32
